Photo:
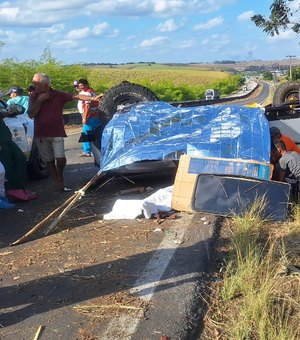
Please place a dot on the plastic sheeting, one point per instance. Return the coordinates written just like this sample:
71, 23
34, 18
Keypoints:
159, 131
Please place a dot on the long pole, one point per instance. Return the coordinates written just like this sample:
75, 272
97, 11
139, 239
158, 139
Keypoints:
291, 56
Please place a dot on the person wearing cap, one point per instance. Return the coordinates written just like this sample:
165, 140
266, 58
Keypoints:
17, 97
46, 107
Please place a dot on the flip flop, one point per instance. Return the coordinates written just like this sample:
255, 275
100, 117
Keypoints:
85, 155
64, 189
22, 195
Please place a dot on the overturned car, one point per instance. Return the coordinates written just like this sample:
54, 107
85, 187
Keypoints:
128, 110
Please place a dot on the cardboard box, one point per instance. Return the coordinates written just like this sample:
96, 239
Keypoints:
191, 166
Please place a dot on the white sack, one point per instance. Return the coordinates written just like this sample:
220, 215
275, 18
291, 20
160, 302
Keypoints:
130, 209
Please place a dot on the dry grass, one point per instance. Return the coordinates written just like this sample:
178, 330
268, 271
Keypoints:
259, 297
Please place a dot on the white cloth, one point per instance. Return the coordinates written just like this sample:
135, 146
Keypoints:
130, 209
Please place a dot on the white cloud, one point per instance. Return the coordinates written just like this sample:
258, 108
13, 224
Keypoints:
283, 35
8, 14
153, 42
79, 33
185, 44
245, 16
105, 29
57, 28
100, 29
168, 26
217, 21
48, 12
66, 44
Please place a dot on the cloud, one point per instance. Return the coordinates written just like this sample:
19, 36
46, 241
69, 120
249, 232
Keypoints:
156, 41
47, 12
9, 14
79, 33
57, 28
66, 44
168, 26
217, 21
245, 16
100, 29
185, 44
283, 35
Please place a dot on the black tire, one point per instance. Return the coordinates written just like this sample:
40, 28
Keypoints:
36, 168
124, 94
288, 92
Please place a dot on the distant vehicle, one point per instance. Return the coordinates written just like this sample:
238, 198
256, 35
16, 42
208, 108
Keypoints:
21, 128
211, 94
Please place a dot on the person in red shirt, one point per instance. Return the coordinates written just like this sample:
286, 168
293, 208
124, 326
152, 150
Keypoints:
46, 107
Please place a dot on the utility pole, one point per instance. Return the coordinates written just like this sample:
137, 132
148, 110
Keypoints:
290, 56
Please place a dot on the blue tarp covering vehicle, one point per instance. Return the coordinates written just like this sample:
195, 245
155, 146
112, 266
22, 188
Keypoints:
158, 131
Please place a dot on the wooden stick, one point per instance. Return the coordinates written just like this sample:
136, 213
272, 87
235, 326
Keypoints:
59, 217
71, 200
39, 332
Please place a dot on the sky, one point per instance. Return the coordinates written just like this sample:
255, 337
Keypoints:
123, 31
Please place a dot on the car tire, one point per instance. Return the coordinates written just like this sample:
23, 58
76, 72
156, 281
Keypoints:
286, 93
124, 94
36, 168
121, 95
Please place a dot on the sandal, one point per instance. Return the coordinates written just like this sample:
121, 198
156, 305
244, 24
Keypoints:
83, 154
22, 195
64, 189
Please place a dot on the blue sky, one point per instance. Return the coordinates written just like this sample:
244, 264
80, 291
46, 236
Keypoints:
121, 31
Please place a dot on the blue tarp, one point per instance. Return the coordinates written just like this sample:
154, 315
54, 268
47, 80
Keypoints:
158, 131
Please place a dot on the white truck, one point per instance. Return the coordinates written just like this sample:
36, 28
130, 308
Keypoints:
211, 94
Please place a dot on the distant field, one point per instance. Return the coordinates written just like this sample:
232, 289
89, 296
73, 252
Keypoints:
156, 73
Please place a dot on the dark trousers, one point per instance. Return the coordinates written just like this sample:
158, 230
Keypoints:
15, 164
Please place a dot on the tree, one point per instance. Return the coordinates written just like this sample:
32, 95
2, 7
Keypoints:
267, 75
281, 17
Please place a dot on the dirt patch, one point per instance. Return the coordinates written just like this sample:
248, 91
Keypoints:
76, 279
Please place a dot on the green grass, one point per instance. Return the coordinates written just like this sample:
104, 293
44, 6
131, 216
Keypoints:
257, 299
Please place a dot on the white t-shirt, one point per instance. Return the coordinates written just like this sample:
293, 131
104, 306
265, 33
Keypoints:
80, 102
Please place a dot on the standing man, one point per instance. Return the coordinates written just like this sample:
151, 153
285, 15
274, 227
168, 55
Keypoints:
46, 107
90, 116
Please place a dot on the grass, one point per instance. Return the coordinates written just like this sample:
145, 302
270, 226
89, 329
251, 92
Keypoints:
257, 298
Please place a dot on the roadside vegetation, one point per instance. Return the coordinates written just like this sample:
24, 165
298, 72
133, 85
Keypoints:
169, 83
258, 296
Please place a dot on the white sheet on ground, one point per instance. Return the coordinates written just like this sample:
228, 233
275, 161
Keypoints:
130, 209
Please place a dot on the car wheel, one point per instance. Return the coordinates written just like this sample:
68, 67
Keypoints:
124, 94
289, 92
119, 96
37, 169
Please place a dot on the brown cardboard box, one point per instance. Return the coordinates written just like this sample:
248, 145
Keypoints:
191, 166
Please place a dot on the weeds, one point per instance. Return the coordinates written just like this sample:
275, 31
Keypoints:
257, 298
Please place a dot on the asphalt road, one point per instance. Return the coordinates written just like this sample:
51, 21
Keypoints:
162, 266
158, 272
